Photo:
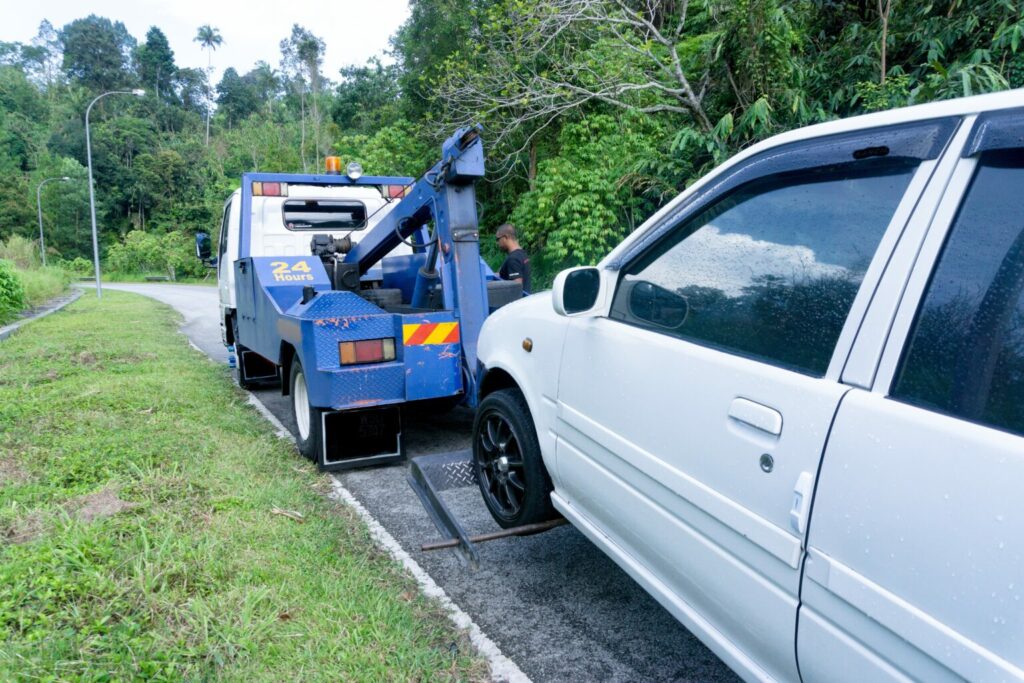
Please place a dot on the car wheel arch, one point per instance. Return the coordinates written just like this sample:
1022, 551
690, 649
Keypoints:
497, 378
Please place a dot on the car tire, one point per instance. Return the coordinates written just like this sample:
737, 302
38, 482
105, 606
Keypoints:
308, 422
515, 484
385, 298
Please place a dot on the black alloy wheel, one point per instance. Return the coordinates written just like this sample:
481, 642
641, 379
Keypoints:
506, 454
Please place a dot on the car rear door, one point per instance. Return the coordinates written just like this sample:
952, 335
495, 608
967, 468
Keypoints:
692, 416
915, 566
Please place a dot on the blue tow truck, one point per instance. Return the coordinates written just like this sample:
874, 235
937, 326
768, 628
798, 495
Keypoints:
360, 295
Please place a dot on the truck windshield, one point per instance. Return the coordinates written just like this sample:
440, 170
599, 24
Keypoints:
324, 214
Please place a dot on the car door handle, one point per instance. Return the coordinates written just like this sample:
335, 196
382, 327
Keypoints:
756, 415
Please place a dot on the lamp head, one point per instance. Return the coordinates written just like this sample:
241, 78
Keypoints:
139, 92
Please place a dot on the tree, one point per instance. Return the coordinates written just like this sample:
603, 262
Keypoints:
155, 65
542, 62
367, 98
47, 41
237, 96
266, 83
210, 38
96, 53
435, 31
302, 53
191, 89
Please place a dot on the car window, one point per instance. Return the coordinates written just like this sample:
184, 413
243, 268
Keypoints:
966, 351
770, 270
324, 214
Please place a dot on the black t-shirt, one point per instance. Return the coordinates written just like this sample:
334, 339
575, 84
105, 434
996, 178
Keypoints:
516, 265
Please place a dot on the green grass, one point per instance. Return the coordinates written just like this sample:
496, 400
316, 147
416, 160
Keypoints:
196, 578
42, 284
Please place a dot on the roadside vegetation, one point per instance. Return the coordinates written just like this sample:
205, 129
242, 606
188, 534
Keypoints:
24, 283
595, 112
153, 526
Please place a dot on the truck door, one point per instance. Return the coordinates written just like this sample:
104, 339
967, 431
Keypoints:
692, 417
915, 566
225, 269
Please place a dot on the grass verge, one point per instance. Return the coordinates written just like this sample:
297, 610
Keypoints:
42, 284
138, 532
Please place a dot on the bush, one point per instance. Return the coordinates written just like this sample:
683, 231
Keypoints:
139, 253
146, 252
42, 284
12, 293
79, 266
22, 252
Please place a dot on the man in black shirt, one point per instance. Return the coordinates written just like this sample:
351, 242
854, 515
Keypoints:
517, 263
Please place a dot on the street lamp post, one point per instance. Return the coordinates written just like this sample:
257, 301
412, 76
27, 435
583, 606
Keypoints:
92, 196
39, 212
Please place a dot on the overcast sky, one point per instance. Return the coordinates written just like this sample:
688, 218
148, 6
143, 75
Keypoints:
354, 30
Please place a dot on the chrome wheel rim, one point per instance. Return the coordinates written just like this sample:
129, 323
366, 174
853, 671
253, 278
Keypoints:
500, 459
300, 403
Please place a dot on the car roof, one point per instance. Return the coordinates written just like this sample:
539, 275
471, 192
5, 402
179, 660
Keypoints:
962, 106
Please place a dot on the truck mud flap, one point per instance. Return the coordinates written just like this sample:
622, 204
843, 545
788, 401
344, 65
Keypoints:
360, 438
255, 369
428, 476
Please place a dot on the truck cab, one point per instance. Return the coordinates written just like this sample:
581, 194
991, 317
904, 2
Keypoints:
283, 220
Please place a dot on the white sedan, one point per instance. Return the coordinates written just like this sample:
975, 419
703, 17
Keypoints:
791, 404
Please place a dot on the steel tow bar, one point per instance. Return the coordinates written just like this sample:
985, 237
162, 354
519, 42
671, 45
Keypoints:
525, 530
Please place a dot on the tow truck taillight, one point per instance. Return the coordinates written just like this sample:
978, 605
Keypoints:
269, 189
367, 351
396, 191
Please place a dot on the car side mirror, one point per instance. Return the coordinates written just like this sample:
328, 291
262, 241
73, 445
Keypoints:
575, 290
656, 305
203, 246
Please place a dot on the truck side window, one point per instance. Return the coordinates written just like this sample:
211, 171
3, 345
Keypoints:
771, 270
222, 247
965, 356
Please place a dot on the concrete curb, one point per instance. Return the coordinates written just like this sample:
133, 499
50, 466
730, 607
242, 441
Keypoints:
51, 306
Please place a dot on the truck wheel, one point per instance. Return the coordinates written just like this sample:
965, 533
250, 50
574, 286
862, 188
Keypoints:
385, 298
506, 456
308, 423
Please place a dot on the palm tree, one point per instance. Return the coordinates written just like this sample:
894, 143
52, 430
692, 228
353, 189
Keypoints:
210, 38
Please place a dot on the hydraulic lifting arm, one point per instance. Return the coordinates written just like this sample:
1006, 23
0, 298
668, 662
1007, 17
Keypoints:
446, 198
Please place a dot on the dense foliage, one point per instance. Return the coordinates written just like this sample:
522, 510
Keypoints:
12, 292
595, 111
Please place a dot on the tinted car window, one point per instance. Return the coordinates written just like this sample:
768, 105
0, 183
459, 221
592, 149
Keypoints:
966, 350
771, 270
321, 214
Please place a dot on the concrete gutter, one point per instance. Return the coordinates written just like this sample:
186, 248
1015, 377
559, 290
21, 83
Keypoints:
51, 306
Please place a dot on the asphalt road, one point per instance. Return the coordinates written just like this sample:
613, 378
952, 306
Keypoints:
553, 603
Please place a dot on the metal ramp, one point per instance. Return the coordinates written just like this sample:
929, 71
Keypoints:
429, 475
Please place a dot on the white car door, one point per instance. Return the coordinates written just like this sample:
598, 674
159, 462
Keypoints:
693, 414
915, 567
